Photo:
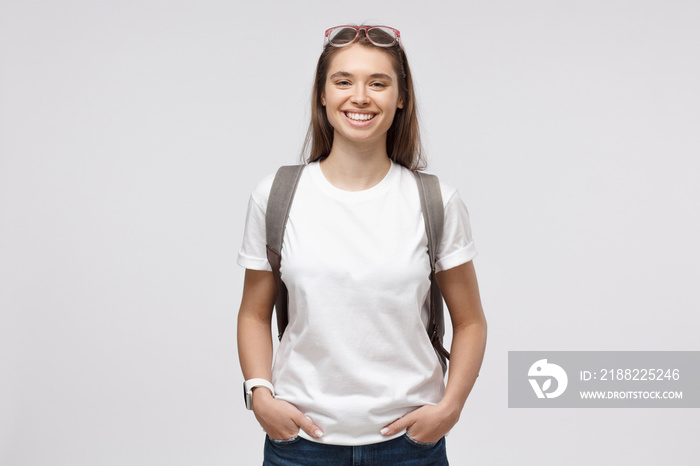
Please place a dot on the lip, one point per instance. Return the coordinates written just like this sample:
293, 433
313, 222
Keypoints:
359, 123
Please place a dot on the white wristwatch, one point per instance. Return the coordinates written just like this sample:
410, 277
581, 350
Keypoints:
248, 387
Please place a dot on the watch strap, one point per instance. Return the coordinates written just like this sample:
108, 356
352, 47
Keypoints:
248, 387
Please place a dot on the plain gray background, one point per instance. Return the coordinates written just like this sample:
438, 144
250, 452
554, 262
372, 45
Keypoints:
132, 132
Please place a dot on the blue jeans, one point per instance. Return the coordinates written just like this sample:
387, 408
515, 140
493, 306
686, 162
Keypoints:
401, 451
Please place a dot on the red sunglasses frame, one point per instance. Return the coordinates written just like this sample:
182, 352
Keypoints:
397, 35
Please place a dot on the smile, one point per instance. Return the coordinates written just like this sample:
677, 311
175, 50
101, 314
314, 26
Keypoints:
360, 116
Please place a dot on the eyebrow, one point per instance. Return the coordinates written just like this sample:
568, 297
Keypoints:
345, 74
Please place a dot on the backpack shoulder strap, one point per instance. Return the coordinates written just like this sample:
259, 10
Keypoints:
433, 211
278, 205
434, 217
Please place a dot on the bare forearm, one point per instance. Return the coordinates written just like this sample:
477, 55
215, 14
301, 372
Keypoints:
254, 347
254, 317
466, 355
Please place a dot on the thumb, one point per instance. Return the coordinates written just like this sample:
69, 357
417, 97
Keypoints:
308, 426
397, 426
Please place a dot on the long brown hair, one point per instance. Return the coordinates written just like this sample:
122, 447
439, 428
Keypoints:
403, 143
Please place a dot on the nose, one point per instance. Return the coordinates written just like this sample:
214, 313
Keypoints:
360, 97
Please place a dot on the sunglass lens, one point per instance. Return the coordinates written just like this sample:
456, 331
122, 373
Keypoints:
342, 36
382, 36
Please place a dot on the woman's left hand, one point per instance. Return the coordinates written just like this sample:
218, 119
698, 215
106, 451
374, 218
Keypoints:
427, 424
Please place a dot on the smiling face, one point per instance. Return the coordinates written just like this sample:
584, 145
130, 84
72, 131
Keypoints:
361, 95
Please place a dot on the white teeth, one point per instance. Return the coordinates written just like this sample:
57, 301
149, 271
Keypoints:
360, 116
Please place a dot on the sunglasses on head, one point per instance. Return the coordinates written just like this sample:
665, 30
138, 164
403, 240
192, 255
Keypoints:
381, 36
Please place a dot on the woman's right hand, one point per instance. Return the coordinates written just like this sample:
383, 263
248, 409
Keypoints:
279, 419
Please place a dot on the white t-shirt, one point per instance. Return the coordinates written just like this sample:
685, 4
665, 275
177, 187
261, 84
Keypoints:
356, 355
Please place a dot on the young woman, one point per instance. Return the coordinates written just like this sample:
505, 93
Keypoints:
356, 379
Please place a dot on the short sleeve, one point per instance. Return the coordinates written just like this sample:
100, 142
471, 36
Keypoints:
253, 252
456, 247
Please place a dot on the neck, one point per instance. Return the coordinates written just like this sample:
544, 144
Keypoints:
355, 168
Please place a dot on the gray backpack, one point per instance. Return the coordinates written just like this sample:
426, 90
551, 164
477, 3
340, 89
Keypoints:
278, 206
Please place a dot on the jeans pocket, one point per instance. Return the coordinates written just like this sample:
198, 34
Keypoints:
419, 444
284, 442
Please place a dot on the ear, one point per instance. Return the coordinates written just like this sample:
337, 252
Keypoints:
400, 104
323, 98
